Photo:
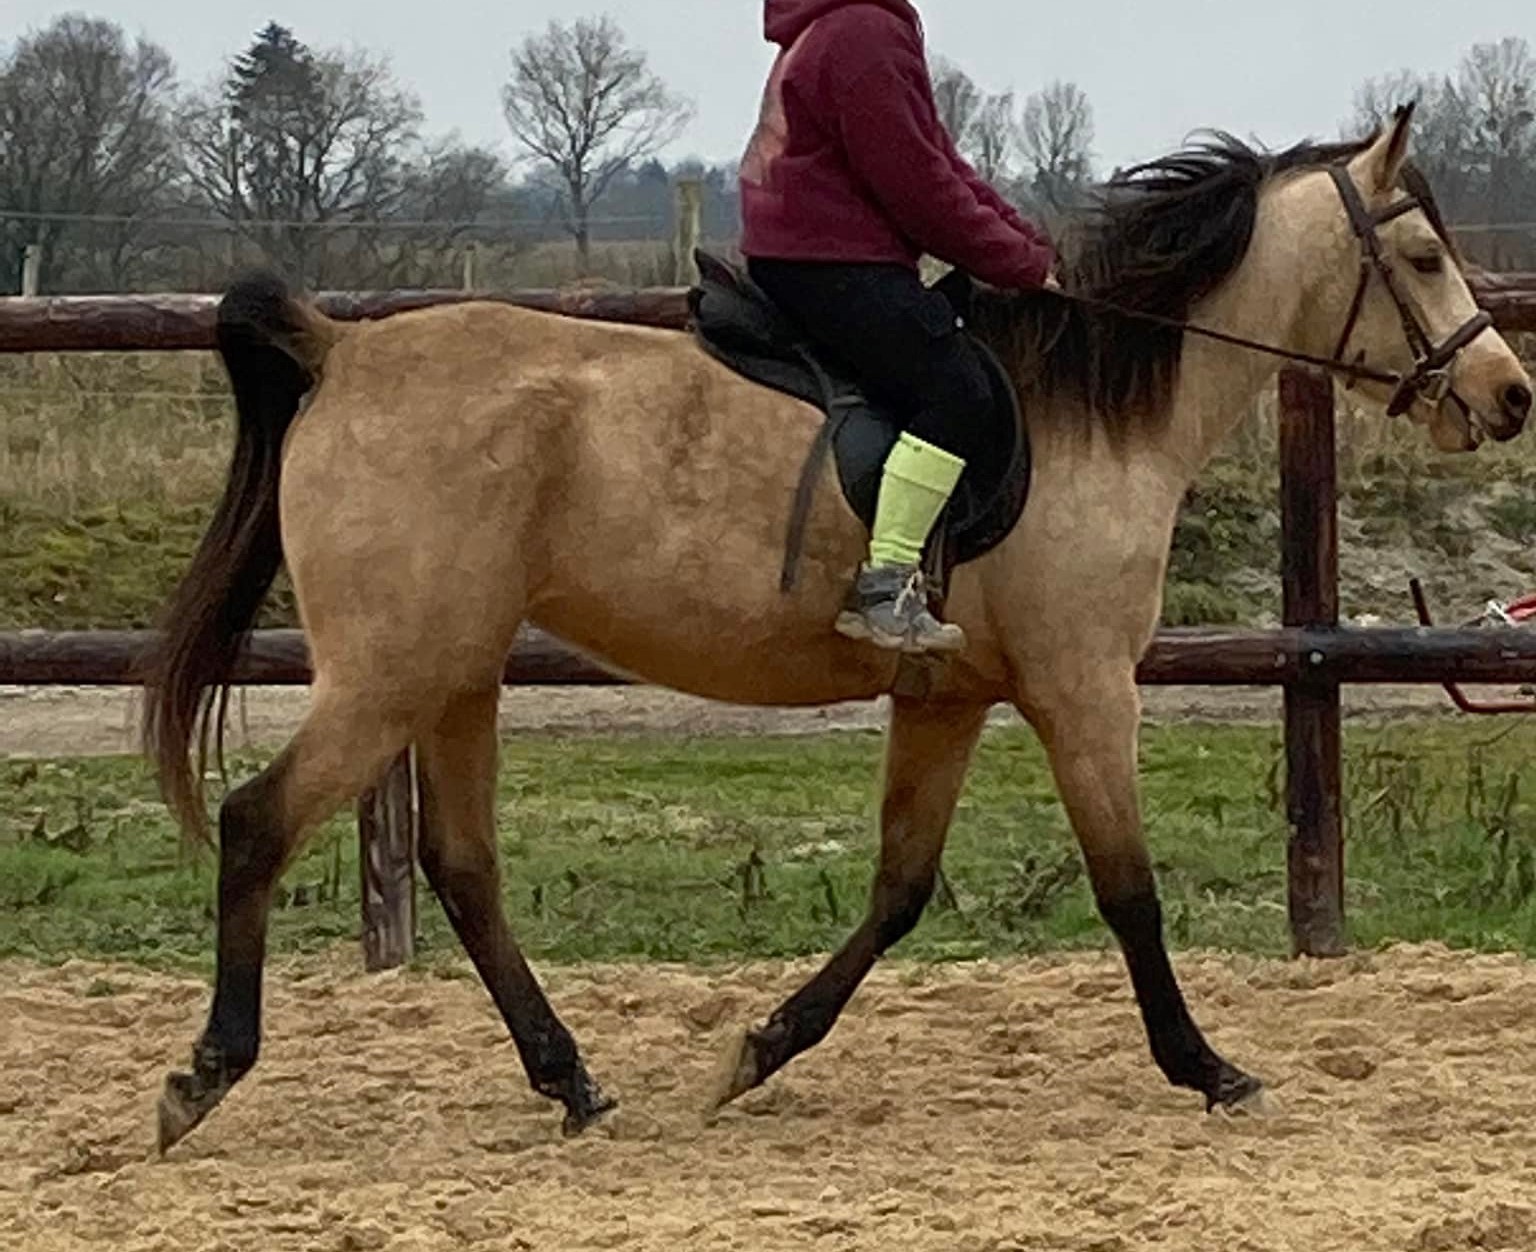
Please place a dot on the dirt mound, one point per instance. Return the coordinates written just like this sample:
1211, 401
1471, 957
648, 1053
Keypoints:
983, 1107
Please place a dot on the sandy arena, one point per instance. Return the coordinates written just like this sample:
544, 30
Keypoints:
984, 1107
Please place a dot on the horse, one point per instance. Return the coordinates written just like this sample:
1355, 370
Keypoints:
435, 479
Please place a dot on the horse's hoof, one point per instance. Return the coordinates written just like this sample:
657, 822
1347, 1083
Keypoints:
1238, 1093
183, 1105
588, 1107
736, 1072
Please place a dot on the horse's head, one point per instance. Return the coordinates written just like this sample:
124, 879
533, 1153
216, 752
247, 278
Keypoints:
1406, 309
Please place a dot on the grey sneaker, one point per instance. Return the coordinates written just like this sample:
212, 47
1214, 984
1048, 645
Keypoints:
888, 606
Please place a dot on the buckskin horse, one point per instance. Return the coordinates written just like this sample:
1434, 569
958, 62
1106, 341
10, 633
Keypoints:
434, 479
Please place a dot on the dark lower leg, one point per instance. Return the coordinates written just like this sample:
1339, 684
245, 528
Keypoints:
459, 856
926, 761
547, 1049
252, 847
807, 1017
1091, 738
1178, 1047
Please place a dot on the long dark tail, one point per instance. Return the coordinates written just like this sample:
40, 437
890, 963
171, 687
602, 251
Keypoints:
273, 348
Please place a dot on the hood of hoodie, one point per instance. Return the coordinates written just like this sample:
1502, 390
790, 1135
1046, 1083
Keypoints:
784, 21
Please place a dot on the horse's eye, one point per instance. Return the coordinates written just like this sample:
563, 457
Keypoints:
1428, 263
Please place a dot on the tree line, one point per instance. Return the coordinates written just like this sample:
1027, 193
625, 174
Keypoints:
318, 161
1475, 141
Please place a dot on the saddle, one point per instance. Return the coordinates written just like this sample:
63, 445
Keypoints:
739, 325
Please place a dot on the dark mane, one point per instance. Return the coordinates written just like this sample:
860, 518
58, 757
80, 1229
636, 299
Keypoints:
1157, 238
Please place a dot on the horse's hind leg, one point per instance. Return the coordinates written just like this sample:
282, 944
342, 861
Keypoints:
1090, 736
458, 852
343, 745
928, 753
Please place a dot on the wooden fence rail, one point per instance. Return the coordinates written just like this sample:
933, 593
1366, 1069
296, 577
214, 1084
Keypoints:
176, 323
1311, 656
1194, 657
156, 323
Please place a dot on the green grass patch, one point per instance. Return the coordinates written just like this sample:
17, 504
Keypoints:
108, 567
671, 849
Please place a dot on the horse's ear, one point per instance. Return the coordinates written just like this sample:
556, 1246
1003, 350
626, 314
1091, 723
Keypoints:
1382, 163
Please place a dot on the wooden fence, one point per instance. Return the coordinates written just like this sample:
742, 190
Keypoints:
1311, 656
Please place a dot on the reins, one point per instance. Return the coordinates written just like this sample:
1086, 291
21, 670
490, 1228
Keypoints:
1352, 371
1430, 377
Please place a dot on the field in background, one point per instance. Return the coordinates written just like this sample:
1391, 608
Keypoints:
679, 849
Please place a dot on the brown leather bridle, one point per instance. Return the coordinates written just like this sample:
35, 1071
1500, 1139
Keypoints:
1431, 376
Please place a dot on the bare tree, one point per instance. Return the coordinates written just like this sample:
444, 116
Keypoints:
1444, 142
1378, 99
993, 137
85, 131
985, 127
1058, 145
958, 98
295, 140
1497, 85
452, 195
583, 102
1475, 137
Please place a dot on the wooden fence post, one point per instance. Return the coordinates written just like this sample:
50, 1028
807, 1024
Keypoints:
1310, 575
31, 268
690, 225
386, 825
471, 264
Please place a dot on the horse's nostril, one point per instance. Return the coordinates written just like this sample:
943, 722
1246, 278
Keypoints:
1517, 401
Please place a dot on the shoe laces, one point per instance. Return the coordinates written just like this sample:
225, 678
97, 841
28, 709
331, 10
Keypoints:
912, 590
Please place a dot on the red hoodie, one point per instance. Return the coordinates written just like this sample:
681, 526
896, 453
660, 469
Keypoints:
851, 163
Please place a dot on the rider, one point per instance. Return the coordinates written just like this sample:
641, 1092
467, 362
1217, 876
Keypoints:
849, 179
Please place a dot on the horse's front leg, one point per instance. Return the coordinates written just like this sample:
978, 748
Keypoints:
928, 752
1090, 729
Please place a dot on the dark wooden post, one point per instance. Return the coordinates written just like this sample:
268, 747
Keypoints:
386, 827
1310, 574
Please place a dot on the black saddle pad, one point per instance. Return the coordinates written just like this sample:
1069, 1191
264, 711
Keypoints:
736, 323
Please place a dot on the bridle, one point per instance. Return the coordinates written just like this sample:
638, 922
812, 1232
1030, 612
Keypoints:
1430, 378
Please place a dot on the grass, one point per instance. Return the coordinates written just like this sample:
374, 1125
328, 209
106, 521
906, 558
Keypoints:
670, 849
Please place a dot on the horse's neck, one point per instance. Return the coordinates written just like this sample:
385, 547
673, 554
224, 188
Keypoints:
1265, 300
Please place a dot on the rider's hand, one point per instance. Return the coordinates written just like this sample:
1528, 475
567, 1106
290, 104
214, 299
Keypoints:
1052, 283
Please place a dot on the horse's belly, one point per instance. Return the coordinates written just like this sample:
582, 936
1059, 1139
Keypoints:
736, 662
735, 637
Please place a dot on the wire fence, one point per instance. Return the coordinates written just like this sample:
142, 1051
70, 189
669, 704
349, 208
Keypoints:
544, 223
512, 245
156, 255
83, 253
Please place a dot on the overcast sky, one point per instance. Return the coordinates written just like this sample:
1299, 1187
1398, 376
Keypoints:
1278, 71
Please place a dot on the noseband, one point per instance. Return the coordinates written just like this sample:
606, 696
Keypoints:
1431, 376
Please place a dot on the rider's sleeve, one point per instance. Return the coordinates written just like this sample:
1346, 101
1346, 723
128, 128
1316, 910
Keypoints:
988, 195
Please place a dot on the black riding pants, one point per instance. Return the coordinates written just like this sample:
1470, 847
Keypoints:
899, 339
